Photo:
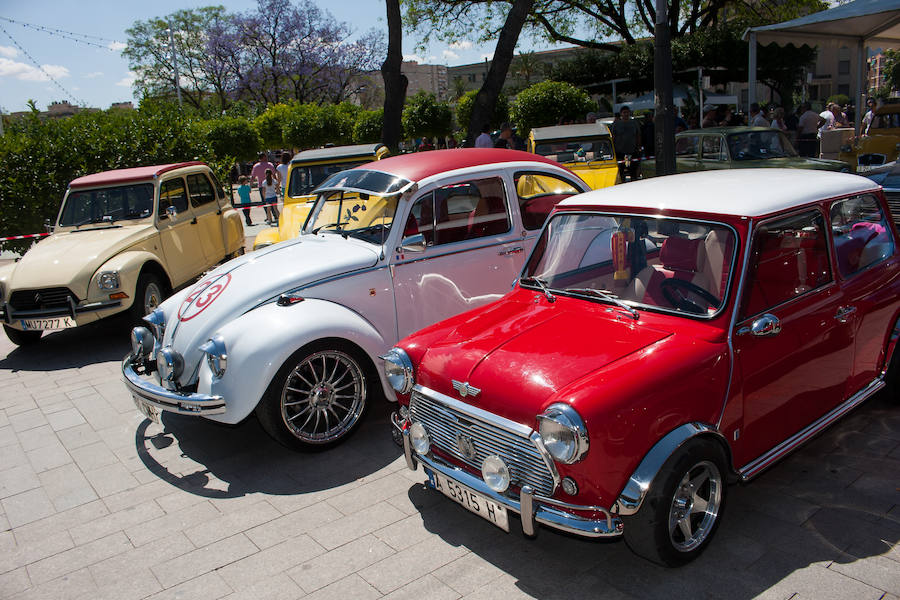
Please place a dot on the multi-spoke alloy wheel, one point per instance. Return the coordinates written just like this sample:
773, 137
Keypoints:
323, 397
695, 506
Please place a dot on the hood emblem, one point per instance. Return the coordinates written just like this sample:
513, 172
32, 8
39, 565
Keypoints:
466, 446
465, 389
38, 299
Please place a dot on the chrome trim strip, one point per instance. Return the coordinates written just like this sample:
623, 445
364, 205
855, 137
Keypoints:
759, 464
168, 400
478, 413
635, 490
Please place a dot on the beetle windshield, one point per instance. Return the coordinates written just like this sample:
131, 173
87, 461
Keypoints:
353, 214
756, 145
564, 151
305, 178
106, 205
645, 262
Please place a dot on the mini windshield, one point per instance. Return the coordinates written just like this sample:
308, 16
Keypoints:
106, 205
305, 178
576, 150
354, 214
756, 145
675, 265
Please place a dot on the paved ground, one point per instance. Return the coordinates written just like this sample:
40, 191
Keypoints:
96, 502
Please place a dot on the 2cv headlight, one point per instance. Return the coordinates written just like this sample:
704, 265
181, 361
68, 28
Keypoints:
563, 433
398, 370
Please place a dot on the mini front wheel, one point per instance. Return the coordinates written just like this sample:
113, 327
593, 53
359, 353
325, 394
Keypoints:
683, 507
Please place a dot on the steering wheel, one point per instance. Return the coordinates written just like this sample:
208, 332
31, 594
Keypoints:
677, 292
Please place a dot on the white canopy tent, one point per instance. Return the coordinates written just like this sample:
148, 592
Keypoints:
859, 24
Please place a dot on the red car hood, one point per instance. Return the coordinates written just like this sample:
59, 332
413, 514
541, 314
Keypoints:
522, 355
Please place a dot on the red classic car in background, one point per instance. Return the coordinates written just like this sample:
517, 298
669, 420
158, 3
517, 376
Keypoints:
666, 338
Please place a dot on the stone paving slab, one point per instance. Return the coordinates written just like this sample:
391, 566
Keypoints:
96, 502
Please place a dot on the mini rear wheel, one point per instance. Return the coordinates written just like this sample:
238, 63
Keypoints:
22, 338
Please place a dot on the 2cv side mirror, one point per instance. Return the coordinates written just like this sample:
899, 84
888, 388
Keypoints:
171, 212
413, 243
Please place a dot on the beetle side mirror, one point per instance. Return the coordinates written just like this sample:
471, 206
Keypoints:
413, 243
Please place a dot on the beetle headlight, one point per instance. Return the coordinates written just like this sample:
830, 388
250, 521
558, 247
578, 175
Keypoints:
141, 343
563, 433
216, 356
398, 370
108, 280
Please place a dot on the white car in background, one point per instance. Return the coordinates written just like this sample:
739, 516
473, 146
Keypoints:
294, 331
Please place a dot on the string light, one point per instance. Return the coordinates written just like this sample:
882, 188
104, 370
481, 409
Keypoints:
42, 70
69, 35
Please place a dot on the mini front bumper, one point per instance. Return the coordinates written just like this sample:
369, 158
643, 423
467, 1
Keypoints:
531, 507
184, 403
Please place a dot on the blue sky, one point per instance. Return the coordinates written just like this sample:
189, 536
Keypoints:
99, 76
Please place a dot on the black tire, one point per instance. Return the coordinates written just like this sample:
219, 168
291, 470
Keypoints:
148, 294
22, 338
672, 527
323, 382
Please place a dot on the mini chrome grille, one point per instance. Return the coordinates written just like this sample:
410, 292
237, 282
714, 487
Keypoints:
44, 298
893, 200
471, 440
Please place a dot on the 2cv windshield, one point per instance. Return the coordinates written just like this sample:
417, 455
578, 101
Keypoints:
354, 214
106, 205
671, 264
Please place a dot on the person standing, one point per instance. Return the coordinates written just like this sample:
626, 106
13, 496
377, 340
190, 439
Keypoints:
826, 119
484, 139
807, 131
756, 117
778, 120
869, 117
281, 172
269, 189
626, 134
244, 194
505, 138
258, 172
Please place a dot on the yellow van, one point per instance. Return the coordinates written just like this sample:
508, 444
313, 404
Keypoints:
307, 170
586, 149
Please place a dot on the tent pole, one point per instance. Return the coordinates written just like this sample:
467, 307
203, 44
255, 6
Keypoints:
751, 73
861, 91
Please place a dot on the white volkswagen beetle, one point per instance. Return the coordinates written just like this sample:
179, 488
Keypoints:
294, 331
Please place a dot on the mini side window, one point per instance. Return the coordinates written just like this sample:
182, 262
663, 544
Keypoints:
789, 258
172, 193
862, 236
538, 193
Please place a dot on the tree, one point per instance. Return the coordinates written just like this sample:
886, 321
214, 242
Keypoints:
464, 110
368, 127
424, 116
269, 124
891, 69
395, 82
548, 102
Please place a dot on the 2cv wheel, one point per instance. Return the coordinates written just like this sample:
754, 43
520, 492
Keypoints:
22, 338
318, 397
683, 508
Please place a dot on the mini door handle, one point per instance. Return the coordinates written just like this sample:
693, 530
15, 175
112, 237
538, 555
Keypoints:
765, 326
514, 250
843, 313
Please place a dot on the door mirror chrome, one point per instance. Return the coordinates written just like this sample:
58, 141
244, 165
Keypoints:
413, 243
171, 212
765, 326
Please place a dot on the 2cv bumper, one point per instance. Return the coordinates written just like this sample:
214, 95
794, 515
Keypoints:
151, 394
531, 507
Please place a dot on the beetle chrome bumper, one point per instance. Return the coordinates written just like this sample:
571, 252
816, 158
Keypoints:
531, 507
184, 403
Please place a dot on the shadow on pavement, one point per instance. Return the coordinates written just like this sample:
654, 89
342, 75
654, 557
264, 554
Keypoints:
100, 341
835, 501
227, 461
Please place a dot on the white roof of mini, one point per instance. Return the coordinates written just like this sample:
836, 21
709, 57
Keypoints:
739, 192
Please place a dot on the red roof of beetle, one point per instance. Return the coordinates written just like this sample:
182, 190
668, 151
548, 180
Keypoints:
127, 175
418, 166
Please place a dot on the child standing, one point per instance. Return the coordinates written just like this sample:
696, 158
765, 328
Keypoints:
270, 192
244, 194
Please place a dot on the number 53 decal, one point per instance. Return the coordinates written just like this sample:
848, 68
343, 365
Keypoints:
203, 294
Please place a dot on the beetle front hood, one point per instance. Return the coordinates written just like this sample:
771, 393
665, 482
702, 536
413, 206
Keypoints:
195, 314
547, 347
70, 258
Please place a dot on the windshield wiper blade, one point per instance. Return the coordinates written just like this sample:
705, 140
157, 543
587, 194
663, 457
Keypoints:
607, 296
543, 285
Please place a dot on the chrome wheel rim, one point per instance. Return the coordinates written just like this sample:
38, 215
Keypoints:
323, 397
152, 297
695, 506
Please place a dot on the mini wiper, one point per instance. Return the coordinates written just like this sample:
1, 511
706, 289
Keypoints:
541, 284
608, 297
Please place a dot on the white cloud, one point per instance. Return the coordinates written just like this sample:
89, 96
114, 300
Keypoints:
117, 46
127, 81
93, 75
449, 55
23, 72
462, 45
8, 51
415, 57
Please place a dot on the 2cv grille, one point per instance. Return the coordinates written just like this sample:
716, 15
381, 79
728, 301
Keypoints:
43, 298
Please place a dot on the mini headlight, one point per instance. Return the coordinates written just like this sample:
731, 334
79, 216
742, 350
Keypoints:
495, 473
169, 364
216, 355
418, 437
398, 370
563, 433
108, 280
141, 342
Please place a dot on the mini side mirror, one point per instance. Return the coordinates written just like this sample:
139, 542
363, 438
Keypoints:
413, 243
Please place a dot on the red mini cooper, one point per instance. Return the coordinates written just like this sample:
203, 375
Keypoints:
666, 337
